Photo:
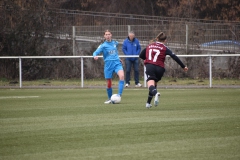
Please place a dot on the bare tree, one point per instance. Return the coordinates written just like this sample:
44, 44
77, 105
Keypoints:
22, 32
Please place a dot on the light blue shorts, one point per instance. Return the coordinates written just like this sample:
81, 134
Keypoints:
111, 67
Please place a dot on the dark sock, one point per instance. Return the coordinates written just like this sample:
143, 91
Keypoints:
150, 96
153, 90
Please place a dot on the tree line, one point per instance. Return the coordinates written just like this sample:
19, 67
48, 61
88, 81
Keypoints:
24, 23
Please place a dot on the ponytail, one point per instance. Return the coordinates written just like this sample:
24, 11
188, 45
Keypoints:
161, 37
152, 40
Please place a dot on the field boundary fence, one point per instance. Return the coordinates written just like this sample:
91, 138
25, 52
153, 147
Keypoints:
183, 33
186, 38
20, 58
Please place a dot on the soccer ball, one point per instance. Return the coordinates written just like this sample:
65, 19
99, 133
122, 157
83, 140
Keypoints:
115, 98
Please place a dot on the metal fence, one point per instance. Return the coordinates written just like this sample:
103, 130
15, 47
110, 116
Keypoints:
188, 34
185, 36
210, 64
76, 17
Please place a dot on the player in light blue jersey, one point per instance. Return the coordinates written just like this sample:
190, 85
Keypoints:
112, 63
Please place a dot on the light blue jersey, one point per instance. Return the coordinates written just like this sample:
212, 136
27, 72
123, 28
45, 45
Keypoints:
110, 57
109, 50
112, 63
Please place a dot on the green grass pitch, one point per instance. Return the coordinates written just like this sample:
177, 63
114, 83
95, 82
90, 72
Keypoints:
60, 124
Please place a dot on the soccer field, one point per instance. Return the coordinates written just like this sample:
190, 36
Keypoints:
60, 124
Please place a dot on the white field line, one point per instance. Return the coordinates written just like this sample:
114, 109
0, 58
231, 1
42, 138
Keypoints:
14, 97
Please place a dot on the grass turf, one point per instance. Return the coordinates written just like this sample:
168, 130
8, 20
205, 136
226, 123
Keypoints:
75, 124
101, 82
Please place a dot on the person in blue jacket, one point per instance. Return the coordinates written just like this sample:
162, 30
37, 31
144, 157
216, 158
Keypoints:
112, 63
131, 46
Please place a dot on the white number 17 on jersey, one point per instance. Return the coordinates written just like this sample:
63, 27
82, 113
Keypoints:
155, 56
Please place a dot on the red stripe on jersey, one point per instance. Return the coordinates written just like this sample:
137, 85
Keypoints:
156, 54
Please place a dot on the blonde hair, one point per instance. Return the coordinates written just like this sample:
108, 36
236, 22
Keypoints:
151, 41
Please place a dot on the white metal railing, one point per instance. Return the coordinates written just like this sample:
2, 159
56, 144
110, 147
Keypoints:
121, 56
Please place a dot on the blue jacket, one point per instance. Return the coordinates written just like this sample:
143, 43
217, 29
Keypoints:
131, 48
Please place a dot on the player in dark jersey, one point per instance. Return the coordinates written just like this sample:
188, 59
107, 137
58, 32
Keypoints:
154, 56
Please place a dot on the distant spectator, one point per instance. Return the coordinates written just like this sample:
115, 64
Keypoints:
131, 46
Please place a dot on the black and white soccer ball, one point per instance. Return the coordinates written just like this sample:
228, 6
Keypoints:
115, 98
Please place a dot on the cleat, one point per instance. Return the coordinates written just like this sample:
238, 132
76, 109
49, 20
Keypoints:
127, 85
108, 101
148, 105
156, 99
138, 85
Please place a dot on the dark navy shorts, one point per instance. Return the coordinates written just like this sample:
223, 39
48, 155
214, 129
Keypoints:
154, 72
